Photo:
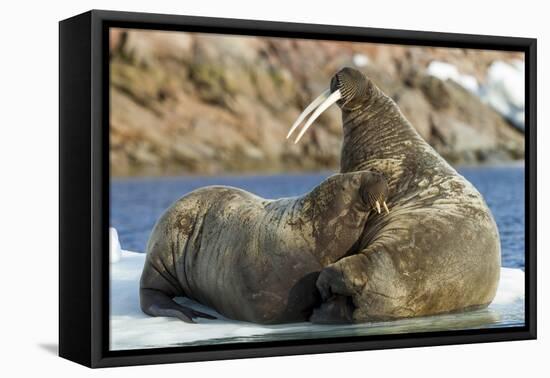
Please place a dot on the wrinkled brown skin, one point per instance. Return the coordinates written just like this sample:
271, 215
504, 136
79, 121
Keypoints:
249, 258
438, 250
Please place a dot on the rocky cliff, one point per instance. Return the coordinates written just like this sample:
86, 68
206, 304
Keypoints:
210, 104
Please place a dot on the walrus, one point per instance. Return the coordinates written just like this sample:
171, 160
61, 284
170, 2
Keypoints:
254, 259
438, 251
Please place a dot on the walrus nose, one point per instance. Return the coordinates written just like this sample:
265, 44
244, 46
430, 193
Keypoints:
320, 104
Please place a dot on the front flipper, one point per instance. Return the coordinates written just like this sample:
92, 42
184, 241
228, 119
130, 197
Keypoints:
371, 279
157, 303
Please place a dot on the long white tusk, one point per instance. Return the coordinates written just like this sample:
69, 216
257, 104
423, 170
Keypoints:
377, 206
335, 96
386, 207
311, 107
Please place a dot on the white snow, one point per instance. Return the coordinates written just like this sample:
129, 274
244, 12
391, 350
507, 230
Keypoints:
447, 71
504, 89
361, 60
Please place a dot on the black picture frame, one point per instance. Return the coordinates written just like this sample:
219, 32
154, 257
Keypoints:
84, 187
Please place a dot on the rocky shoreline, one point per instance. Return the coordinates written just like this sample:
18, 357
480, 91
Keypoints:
207, 104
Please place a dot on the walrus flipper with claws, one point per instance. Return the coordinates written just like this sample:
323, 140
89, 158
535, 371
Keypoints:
438, 250
254, 259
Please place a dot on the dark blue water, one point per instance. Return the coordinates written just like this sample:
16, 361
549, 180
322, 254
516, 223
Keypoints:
136, 203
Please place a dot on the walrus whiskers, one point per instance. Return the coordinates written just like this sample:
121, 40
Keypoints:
376, 203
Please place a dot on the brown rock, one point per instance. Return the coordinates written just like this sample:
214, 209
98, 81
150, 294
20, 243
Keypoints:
209, 104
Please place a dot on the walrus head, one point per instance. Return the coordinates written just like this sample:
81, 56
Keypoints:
349, 89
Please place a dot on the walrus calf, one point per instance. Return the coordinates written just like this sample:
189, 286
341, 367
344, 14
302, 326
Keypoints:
438, 251
254, 259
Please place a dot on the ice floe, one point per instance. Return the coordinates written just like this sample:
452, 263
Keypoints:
511, 286
132, 329
114, 245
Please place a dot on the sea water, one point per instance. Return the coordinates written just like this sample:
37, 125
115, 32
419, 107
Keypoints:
136, 203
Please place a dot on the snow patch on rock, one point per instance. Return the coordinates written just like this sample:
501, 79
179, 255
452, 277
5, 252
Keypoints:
504, 89
361, 60
446, 71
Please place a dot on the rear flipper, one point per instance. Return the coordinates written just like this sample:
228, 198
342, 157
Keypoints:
156, 303
337, 302
336, 310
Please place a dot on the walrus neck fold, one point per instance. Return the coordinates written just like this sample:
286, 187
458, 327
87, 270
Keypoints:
336, 214
375, 130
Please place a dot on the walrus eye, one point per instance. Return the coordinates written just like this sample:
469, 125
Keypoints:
325, 100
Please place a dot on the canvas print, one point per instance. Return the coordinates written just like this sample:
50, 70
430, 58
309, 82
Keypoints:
266, 189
